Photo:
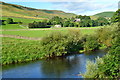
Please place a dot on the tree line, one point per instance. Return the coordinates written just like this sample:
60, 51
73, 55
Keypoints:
9, 21
85, 21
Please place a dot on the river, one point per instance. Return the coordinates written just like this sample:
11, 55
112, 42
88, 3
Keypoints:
66, 67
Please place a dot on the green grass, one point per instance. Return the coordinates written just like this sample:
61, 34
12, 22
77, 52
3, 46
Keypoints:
19, 11
42, 33
24, 20
105, 14
12, 26
19, 50
17, 26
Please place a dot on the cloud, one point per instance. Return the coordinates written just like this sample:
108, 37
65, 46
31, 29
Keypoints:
43, 0
84, 7
60, 0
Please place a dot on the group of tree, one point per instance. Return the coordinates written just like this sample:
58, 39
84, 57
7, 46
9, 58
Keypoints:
107, 66
85, 21
116, 16
41, 24
10, 21
59, 44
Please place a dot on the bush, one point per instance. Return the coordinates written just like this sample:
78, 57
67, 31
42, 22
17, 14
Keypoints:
92, 69
105, 36
107, 66
58, 44
91, 43
54, 45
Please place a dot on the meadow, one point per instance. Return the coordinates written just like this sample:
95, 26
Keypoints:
42, 33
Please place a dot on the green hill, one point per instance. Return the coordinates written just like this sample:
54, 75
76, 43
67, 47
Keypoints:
108, 14
12, 10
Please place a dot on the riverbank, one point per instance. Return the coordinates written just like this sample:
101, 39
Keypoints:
62, 67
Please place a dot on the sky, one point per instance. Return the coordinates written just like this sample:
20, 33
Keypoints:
80, 7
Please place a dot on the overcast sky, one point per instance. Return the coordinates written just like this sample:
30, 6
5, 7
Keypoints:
81, 7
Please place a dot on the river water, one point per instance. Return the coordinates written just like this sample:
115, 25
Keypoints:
66, 67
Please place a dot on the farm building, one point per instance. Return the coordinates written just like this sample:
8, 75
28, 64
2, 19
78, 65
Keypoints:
57, 26
77, 20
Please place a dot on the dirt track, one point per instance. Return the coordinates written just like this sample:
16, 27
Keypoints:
20, 37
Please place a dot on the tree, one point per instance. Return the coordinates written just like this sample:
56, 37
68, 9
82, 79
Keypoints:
91, 43
66, 23
102, 21
116, 16
38, 25
107, 66
9, 21
71, 25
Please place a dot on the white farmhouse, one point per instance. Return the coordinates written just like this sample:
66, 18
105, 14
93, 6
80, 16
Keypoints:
57, 26
77, 20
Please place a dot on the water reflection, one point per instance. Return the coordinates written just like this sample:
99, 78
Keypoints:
67, 67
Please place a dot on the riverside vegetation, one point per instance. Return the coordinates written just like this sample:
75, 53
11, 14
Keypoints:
59, 44
108, 66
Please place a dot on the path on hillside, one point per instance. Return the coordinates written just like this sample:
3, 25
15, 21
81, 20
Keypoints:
20, 37
45, 29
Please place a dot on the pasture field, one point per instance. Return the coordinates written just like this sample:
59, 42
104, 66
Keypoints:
24, 20
42, 33
12, 26
24, 24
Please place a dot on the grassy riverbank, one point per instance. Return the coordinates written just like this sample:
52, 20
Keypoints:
19, 50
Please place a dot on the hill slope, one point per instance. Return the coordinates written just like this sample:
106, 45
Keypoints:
105, 14
12, 10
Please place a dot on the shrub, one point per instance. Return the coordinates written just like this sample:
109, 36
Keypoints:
91, 43
92, 69
54, 44
107, 66
58, 44
105, 36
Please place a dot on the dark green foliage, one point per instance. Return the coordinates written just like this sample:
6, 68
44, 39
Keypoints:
2, 22
74, 40
91, 43
66, 24
56, 20
71, 25
54, 45
9, 21
58, 44
108, 66
85, 21
105, 36
38, 25
116, 16
102, 21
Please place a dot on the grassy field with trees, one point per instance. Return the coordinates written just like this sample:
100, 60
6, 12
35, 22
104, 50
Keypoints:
73, 37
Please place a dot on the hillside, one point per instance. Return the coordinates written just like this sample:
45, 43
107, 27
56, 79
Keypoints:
12, 10
105, 14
